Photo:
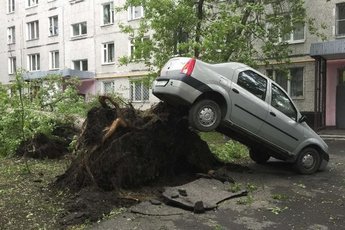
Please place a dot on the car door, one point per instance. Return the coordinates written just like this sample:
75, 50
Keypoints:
248, 94
281, 127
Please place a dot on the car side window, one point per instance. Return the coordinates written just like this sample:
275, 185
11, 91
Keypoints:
253, 82
281, 102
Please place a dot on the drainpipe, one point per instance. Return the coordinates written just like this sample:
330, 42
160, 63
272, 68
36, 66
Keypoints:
317, 61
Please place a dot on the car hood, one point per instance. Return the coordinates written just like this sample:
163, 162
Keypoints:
310, 134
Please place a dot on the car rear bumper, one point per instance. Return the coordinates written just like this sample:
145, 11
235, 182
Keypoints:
174, 91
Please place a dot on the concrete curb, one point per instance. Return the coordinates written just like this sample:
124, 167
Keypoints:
332, 137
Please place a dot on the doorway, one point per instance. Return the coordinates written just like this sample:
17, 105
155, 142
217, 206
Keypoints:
340, 100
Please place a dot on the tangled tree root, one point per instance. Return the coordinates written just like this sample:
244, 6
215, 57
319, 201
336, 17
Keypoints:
121, 147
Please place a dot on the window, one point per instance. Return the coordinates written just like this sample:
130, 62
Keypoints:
291, 80
135, 12
32, 29
53, 26
10, 6
296, 35
134, 53
281, 102
34, 62
12, 65
139, 91
108, 87
253, 82
80, 65
79, 29
54, 60
31, 3
11, 35
108, 13
340, 19
108, 52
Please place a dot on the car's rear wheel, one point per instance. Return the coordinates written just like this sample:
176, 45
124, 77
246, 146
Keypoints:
205, 115
308, 161
259, 157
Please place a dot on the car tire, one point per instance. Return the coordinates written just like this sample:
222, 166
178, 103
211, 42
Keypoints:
259, 157
308, 161
205, 115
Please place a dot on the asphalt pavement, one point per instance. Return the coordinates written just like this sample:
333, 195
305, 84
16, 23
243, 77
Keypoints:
279, 198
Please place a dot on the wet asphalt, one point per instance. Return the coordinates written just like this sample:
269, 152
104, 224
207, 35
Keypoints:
279, 199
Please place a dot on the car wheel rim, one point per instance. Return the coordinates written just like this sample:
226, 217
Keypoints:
207, 117
308, 161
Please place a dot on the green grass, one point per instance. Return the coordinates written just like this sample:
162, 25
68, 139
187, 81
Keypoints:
226, 150
26, 202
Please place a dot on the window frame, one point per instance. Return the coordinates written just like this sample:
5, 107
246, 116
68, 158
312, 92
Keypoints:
11, 35
289, 81
112, 85
54, 59
80, 29
11, 6
12, 65
132, 48
291, 39
81, 64
105, 53
337, 20
31, 3
37, 64
53, 26
131, 13
32, 35
111, 13
279, 36
143, 88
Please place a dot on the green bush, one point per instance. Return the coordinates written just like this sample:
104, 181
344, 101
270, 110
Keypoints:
37, 106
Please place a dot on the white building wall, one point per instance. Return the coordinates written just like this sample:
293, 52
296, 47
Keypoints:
70, 48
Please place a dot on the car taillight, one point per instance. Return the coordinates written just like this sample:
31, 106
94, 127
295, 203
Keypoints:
188, 67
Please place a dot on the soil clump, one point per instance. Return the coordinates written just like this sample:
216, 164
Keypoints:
122, 148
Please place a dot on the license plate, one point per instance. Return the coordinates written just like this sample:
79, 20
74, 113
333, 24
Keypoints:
161, 83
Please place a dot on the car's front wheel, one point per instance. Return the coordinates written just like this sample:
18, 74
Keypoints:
205, 115
259, 157
308, 161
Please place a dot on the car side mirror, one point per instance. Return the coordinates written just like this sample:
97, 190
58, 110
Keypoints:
302, 119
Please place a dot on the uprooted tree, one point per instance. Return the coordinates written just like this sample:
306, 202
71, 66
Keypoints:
121, 147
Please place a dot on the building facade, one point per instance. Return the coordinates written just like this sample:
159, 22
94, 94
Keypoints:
79, 38
83, 38
316, 72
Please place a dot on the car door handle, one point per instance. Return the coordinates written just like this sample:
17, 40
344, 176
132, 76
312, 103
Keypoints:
235, 90
273, 114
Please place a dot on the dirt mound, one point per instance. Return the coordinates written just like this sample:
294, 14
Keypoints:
121, 147
42, 147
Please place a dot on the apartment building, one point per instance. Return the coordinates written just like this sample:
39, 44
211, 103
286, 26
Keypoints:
316, 74
78, 38
82, 38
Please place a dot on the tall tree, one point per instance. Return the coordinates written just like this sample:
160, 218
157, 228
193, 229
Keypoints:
248, 31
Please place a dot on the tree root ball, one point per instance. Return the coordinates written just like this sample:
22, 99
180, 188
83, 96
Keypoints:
121, 147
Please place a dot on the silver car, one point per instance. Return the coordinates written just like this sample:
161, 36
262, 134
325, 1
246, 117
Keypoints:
238, 101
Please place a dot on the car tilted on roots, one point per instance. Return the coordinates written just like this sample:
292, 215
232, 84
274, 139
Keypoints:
240, 102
